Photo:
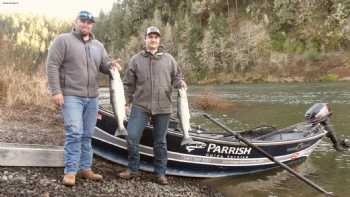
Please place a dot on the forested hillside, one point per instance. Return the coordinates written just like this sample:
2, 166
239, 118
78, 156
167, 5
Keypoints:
212, 40
237, 40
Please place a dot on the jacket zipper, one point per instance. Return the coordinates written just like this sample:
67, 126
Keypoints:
87, 68
151, 77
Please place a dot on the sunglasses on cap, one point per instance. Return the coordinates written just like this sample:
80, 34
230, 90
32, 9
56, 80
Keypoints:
85, 16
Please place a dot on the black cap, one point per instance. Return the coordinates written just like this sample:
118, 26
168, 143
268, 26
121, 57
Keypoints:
152, 29
85, 15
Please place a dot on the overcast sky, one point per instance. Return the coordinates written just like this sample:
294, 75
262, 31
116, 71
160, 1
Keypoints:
56, 8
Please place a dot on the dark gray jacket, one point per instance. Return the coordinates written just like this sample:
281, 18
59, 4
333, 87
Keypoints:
73, 65
149, 79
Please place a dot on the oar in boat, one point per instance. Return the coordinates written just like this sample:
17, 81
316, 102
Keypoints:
239, 137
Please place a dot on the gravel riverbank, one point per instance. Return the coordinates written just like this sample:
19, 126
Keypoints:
39, 126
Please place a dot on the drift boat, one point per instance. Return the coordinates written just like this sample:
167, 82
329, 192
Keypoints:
218, 154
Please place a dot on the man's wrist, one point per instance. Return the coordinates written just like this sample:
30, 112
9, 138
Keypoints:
55, 93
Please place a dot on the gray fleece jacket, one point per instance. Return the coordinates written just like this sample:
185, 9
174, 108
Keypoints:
73, 64
149, 79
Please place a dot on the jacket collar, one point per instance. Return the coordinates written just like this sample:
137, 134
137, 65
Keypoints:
157, 55
77, 34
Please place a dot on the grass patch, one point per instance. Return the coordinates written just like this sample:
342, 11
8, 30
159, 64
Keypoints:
211, 101
18, 88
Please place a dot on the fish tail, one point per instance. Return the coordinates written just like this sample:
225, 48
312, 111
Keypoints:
189, 140
120, 132
186, 140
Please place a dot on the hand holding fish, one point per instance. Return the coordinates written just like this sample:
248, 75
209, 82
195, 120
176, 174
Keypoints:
183, 84
58, 99
127, 107
115, 64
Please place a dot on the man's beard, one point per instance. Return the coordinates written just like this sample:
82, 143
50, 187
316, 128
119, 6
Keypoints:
83, 33
152, 47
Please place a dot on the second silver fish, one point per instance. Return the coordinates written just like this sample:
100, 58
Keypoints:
117, 101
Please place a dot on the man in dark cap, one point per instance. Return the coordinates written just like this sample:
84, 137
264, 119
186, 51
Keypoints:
148, 83
73, 62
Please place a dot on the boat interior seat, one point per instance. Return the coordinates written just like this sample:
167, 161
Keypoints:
209, 135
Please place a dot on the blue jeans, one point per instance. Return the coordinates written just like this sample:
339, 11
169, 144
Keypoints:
79, 114
136, 124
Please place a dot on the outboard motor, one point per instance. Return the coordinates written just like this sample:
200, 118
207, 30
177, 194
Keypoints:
320, 113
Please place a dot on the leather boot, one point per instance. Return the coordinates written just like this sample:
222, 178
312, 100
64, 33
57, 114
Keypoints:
162, 180
69, 179
128, 174
89, 174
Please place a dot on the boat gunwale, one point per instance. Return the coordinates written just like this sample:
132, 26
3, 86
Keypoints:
227, 142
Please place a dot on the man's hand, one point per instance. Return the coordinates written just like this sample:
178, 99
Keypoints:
127, 109
58, 99
183, 84
116, 65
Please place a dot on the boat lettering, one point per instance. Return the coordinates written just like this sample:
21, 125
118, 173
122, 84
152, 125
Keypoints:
229, 150
227, 156
190, 148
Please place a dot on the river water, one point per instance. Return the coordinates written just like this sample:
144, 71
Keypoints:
280, 105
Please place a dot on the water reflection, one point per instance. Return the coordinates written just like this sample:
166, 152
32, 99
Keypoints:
270, 183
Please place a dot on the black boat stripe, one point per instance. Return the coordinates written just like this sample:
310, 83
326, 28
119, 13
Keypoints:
215, 171
145, 150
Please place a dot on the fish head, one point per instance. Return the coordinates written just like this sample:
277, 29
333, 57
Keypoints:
114, 73
182, 92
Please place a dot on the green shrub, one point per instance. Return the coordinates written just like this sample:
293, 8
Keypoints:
329, 77
277, 41
293, 46
312, 54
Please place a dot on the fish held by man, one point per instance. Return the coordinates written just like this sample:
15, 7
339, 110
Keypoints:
117, 99
183, 113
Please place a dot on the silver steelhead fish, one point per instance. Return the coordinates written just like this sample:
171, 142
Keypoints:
183, 113
117, 99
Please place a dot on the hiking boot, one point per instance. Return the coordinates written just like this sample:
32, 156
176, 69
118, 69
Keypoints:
69, 179
162, 180
89, 174
128, 174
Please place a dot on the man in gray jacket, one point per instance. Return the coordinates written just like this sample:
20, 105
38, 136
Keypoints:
73, 62
148, 83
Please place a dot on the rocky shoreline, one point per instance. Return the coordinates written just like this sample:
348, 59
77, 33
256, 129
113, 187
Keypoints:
40, 126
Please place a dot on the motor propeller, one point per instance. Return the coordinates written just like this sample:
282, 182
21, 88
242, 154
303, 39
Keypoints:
345, 143
320, 113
